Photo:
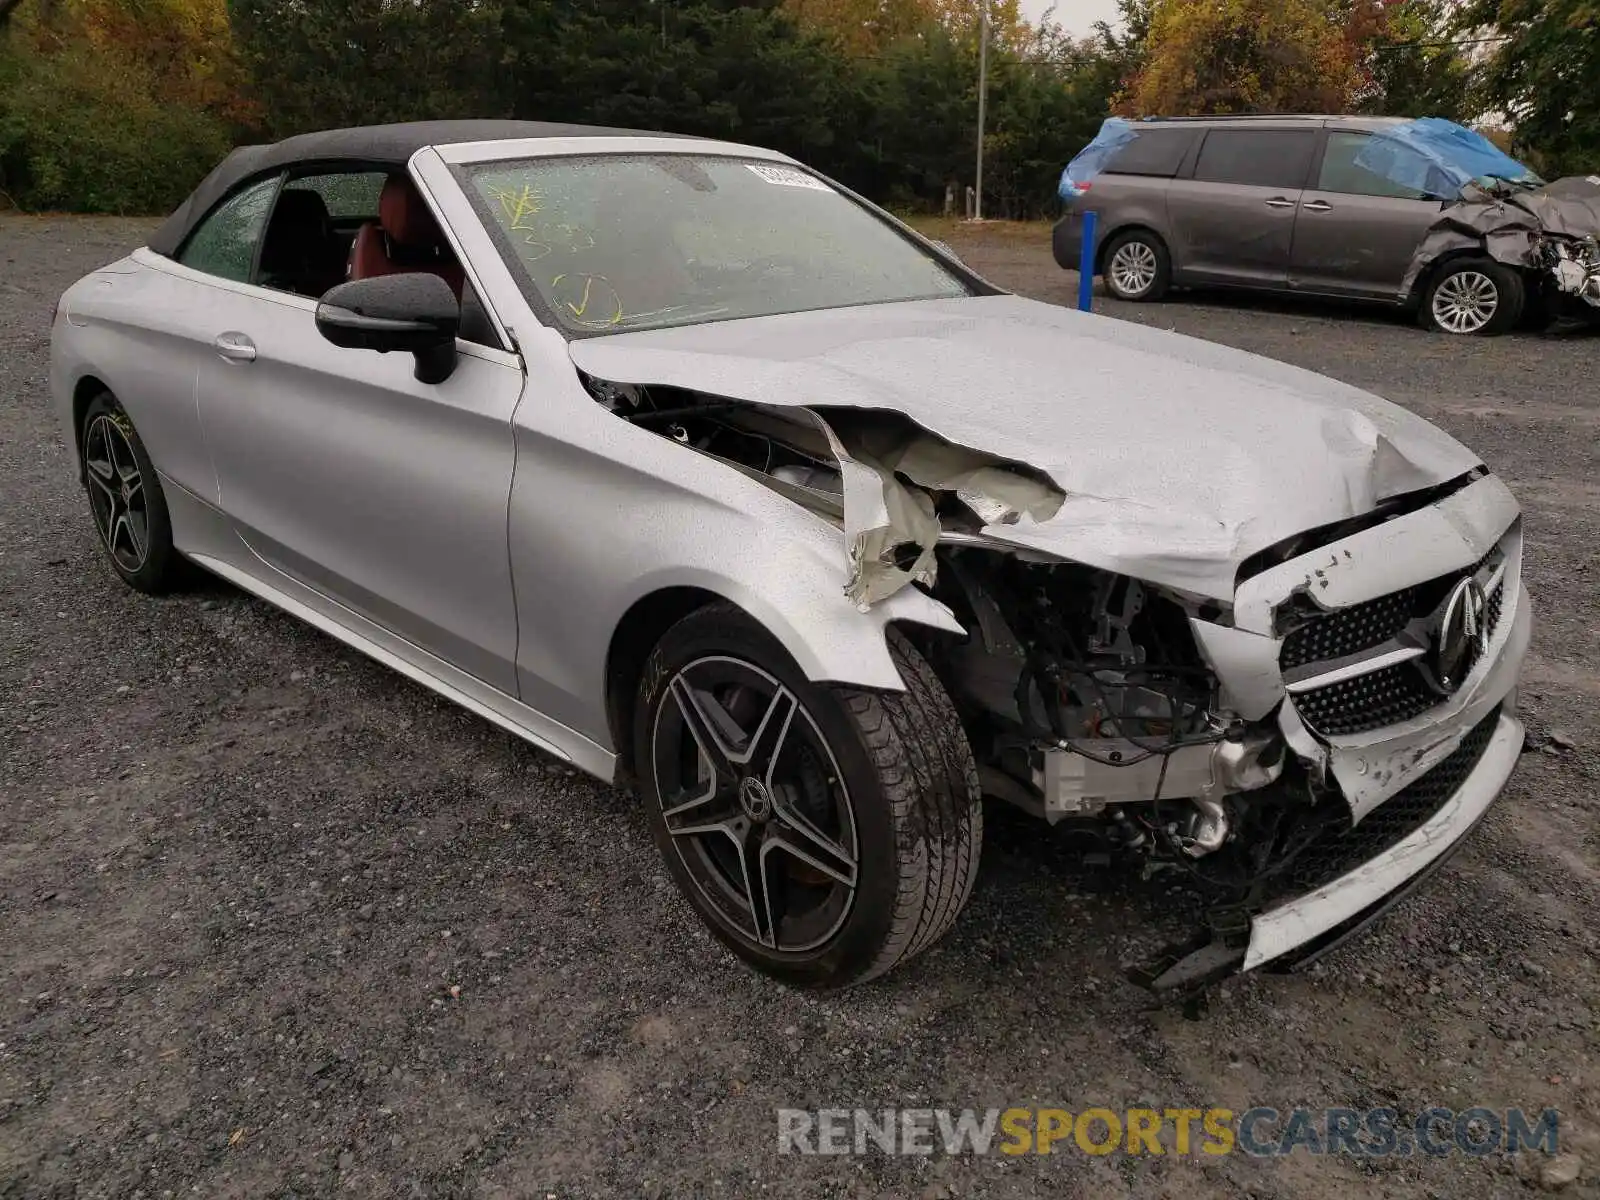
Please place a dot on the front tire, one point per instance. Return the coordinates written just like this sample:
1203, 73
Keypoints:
125, 499
1137, 266
824, 833
1473, 297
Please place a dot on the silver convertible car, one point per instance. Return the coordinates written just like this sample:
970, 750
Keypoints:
701, 473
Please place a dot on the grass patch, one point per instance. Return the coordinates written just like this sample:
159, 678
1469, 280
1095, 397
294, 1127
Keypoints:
953, 229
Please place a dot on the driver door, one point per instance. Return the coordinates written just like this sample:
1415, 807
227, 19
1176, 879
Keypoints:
343, 472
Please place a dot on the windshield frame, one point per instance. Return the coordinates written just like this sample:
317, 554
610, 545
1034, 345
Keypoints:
461, 172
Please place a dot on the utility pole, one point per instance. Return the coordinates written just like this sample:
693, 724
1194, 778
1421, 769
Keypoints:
983, 92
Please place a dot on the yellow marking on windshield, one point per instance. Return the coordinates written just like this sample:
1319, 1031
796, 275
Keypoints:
516, 204
520, 208
602, 299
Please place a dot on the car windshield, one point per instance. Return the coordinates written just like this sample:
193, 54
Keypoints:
643, 241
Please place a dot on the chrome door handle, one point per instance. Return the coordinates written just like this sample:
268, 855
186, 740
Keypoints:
235, 347
1317, 206
1280, 202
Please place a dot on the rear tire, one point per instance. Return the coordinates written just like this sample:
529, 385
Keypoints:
1473, 297
125, 499
1136, 266
861, 813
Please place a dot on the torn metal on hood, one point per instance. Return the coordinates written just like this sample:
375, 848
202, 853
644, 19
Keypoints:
1159, 457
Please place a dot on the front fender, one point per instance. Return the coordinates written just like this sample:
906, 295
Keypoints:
823, 632
604, 514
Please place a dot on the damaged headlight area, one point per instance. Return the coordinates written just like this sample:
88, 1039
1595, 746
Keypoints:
895, 487
1574, 266
1087, 701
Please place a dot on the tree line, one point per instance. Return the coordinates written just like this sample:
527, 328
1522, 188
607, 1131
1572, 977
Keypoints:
121, 105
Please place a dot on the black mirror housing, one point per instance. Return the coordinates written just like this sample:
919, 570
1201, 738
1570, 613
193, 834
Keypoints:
415, 313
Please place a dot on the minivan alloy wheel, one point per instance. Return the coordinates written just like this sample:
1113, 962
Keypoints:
1133, 268
1465, 302
755, 804
116, 492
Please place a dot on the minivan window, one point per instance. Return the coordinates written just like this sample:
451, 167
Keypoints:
1341, 173
1153, 152
1278, 158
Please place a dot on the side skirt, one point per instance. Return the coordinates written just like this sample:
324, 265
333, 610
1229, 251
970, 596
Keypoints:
419, 666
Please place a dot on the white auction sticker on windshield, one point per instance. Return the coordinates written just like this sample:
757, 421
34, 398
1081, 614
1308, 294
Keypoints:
788, 177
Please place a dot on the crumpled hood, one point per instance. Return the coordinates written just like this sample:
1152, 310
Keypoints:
1180, 458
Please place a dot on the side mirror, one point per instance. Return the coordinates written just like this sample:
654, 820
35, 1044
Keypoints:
415, 313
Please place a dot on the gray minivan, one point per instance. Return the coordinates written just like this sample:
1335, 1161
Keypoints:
1280, 204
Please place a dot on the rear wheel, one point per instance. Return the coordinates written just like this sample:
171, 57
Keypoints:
824, 833
125, 499
1473, 297
1137, 266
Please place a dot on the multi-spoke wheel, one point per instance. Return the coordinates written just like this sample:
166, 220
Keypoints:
755, 803
824, 833
125, 500
1137, 266
1475, 297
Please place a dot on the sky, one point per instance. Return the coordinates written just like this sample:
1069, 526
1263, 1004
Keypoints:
1076, 16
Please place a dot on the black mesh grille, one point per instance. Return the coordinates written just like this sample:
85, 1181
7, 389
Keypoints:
1349, 630
1496, 597
1385, 697
1340, 851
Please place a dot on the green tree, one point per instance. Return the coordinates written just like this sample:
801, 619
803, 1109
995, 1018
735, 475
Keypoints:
319, 64
114, 105
1047, 103
744, 71
1545, 76
1414, 65
1240, 56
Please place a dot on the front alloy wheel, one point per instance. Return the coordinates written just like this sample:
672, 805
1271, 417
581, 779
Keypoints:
1474, 297
823, 833
1465, 302
757, 808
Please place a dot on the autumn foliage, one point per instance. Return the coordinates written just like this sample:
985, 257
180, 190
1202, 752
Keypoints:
115, 104
1245, 56
121, 105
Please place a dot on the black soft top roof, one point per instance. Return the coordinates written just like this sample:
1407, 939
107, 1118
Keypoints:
381, 145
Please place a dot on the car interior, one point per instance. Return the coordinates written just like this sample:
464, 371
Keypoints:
310, 247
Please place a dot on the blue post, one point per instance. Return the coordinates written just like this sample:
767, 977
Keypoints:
1086, 264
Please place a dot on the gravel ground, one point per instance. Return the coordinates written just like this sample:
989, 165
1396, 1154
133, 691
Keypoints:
244, 871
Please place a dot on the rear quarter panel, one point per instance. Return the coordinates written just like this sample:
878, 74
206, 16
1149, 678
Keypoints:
1119, 202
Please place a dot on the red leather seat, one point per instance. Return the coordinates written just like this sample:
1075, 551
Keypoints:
405, 238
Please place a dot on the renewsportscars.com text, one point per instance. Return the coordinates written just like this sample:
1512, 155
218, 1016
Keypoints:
1260, 1132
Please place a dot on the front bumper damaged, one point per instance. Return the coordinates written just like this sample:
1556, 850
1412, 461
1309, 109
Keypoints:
1306, 920
1413, 789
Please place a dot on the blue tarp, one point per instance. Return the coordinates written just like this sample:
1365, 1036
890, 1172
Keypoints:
1438, 157
1115, 133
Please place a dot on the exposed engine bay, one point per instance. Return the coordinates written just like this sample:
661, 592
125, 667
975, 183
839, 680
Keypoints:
1083, 693
1573, 265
